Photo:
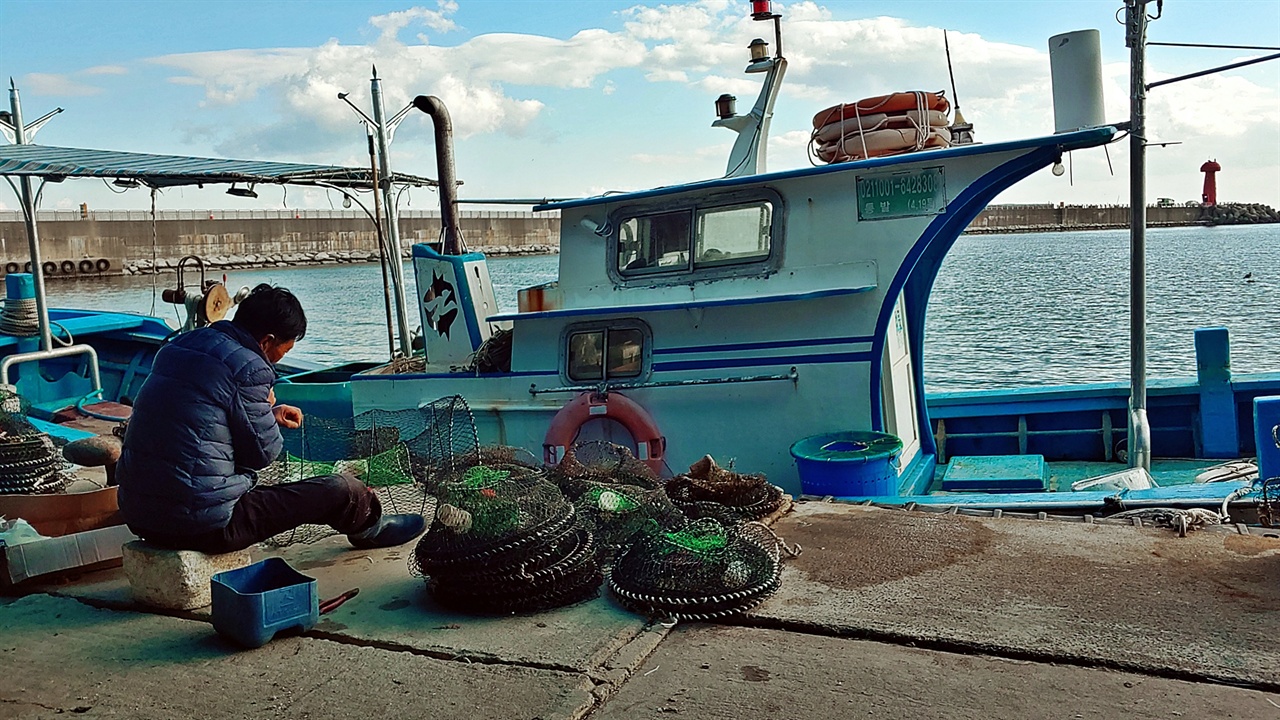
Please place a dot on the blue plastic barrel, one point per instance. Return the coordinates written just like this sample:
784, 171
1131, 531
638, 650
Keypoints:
253, 603
1266, 424
853, 463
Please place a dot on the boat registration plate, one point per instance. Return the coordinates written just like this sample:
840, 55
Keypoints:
906, 194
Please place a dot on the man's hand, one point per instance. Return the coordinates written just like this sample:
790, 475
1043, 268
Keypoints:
287, 416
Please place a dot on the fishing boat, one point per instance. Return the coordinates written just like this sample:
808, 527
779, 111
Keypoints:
774, 320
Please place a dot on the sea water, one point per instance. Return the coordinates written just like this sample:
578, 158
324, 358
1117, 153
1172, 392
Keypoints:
1012, 310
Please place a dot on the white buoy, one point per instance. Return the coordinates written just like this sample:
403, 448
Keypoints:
1075, 66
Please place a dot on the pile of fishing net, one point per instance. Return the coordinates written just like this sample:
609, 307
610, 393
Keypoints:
616, 495
702, 571
505, 540
29, 462
709, 490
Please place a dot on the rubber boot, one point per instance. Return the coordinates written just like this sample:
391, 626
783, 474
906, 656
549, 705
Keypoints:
389, 531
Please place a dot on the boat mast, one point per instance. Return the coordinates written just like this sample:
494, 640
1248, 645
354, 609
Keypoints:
382, 131
1135, 39
29, 215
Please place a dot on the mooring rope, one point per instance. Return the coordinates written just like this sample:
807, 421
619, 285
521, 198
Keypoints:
19, 317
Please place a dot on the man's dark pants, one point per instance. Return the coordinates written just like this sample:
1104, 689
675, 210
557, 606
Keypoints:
341, 502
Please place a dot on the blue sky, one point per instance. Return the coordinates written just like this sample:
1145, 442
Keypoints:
572, 98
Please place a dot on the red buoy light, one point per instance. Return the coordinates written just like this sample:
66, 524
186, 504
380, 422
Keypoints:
761, 9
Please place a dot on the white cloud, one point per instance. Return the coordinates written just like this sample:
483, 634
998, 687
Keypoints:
392, 23
107, 70
56, 84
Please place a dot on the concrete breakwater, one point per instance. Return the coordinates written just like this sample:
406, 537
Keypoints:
1058, 218
235, 262
75, 244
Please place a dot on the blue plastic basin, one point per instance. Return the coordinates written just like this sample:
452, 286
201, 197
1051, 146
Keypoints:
858, 463
253, 603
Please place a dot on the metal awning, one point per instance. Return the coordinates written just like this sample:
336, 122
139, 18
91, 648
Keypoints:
159, 171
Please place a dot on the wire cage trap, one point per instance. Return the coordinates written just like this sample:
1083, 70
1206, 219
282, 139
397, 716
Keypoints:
702, 571
506, 540
373, 447
709, 490
30, 463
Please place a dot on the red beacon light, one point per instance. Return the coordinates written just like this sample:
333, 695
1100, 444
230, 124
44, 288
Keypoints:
761, 9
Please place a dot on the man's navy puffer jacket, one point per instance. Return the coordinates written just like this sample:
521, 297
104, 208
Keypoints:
201, 425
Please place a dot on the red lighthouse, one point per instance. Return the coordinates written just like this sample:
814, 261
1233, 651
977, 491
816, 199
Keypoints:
1210, 195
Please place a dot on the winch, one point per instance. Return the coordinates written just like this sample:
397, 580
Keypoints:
209, 302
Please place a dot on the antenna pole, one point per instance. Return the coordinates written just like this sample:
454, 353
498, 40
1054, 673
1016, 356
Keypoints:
950, 73
1139, 436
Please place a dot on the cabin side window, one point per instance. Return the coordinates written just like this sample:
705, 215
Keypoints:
607, 353
691, 239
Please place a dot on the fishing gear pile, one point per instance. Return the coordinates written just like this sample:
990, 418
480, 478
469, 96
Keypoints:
709, 490
374, 447
702, 571
615, 494
29, 462
505, 540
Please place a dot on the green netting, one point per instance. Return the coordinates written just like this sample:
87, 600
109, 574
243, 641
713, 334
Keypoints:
699, 538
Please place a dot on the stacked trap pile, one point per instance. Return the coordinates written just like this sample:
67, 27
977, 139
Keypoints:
702, 571
29, 462
615, 494
885, 125
506, 540
709, 490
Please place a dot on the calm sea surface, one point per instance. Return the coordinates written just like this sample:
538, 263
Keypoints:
1007, 310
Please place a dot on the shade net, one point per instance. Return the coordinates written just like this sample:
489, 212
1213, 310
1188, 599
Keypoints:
709, 490
29, 461
701, 571
505, 540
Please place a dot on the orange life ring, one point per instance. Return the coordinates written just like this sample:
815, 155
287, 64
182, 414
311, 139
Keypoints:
883, 142
565, 425
895, 102
879, 121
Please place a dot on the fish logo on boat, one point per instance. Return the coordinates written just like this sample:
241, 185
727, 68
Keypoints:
440, 304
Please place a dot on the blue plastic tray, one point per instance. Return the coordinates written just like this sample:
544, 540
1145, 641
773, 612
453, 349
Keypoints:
253, 603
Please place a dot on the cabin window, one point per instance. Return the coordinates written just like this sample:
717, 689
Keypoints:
694, 238
605, 354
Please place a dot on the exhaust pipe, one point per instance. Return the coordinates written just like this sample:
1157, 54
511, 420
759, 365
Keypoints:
432, 105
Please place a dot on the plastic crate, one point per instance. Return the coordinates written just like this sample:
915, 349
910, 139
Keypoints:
252, 604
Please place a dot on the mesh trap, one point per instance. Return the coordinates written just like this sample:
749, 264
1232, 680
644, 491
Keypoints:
394, 452
506, 540
702, 571
29, 461
597, 462
709, 490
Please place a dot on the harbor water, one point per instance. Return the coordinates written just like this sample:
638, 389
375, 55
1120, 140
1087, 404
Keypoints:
1013, 310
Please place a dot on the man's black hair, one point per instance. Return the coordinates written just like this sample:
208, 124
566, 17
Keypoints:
271, 311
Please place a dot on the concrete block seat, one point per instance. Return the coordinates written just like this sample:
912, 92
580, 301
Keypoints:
175, 579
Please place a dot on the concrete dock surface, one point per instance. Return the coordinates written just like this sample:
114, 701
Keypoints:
886, 613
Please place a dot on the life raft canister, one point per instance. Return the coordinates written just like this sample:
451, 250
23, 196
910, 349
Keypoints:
650, 444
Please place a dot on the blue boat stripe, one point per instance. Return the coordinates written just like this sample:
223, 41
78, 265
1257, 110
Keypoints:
960, 212
770, 345
458, 376
717, 363
634, 310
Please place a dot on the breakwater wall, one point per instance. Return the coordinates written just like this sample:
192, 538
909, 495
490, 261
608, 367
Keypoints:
1056, 218
73, 243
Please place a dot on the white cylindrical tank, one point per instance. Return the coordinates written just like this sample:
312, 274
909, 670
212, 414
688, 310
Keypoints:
1075, 65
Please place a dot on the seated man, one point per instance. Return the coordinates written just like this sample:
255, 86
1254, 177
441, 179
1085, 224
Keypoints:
203, 423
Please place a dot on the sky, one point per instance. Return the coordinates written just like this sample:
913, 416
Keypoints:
566, 99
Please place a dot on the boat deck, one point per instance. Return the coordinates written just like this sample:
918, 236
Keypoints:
887, 613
